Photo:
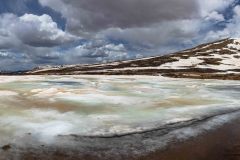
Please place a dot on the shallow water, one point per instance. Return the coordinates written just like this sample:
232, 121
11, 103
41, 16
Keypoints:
50, 106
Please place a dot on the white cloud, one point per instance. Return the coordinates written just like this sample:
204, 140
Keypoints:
40, 31
29, 40
237, 11
4, 54
32, 30
231, 29
97, 50
7, 37
209, 6
214, 16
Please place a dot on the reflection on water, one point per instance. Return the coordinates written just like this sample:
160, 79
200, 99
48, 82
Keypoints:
47, 106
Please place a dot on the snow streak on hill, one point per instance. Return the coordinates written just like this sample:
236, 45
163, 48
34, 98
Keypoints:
219, 60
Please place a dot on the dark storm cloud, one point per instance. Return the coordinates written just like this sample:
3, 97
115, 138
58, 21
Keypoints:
95, 15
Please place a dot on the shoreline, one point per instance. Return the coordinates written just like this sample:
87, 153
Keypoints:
228, 77
222, 143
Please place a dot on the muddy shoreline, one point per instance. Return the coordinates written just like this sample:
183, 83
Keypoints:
175, 74
220, 143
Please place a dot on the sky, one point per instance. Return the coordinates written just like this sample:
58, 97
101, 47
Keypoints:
57, 32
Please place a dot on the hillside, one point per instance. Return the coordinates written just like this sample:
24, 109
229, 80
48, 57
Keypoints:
216, 60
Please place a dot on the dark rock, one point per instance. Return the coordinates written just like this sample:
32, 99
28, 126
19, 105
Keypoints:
6, 147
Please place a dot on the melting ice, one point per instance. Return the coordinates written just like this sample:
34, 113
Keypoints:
48, 106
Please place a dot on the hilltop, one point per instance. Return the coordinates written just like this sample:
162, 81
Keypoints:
216, 60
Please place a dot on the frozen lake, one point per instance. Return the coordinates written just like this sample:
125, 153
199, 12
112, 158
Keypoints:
46, 107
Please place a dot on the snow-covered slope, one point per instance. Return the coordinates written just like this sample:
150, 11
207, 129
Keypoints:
219, 59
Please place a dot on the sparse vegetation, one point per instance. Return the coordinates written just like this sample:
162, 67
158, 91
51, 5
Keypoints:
153, 65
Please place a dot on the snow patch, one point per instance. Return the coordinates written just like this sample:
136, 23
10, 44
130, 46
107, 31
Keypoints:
182, 63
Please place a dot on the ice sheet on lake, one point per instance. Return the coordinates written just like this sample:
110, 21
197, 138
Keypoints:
49, 106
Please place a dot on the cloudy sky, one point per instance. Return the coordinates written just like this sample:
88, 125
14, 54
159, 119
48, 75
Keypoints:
54, 32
